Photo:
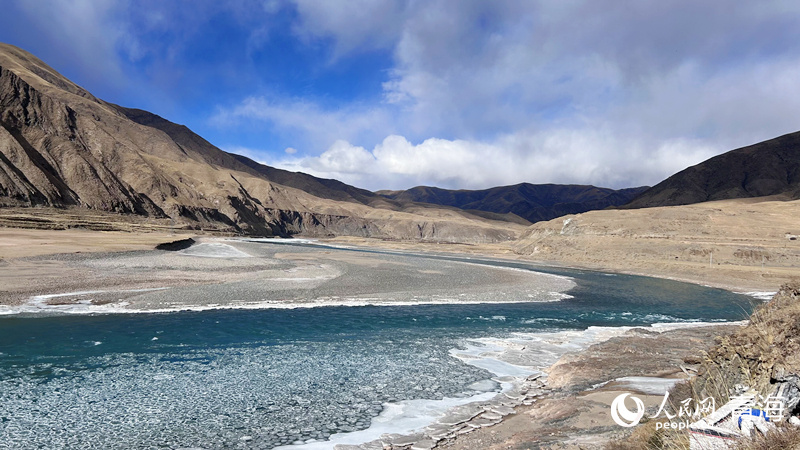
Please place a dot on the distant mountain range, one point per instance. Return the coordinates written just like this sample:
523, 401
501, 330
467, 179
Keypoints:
768, 168
532, 202
62, 147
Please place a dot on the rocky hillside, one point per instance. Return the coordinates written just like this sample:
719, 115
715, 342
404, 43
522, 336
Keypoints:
768, 168
532, 202
762, 354
62, 147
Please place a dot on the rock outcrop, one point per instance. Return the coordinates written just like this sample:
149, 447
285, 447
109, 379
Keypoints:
761, 355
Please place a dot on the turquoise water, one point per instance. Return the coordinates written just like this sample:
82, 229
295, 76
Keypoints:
263, 378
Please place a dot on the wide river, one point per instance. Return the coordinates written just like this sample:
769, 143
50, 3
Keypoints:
266, 377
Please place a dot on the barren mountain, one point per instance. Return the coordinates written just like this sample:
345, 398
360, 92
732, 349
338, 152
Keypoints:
768, 168
532, 202
62, 147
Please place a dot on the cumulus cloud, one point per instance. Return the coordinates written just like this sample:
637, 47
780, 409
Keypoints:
477, 93
82, 35
355, 25
604, 92
308, 122
560, 156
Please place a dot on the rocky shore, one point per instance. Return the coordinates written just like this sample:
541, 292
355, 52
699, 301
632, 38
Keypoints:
569, 406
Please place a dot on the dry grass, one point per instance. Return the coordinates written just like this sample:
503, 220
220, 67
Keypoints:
647, 437
785, 437
725, 243
753, 356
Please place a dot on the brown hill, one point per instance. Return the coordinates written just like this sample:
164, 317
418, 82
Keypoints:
62, 147
739, 243
532, 202
768, 168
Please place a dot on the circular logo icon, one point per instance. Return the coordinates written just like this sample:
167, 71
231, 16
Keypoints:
622, 416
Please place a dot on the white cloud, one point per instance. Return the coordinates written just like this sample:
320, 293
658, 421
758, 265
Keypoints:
355, 25
559, 156
311, 125
483, 93
600, 92
83, 30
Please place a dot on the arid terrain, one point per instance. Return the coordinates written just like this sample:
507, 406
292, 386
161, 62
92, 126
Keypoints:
742, 244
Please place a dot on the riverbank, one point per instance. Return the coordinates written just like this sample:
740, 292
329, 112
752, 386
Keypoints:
580, 416
742, 245
217, 273
748, 245
575, 410
568, 406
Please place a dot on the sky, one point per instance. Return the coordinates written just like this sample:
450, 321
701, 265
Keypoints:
459, 94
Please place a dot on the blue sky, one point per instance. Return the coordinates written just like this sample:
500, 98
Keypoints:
457, 94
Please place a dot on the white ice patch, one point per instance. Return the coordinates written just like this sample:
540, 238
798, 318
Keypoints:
661, 327
532, 352
39, 304
214, 250
404, 417
280, 240
558, 296
759, 295
647, 385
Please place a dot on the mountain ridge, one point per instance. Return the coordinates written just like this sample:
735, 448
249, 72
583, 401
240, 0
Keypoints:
767, 168
532, 202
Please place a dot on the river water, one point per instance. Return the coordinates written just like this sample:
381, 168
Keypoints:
262, 378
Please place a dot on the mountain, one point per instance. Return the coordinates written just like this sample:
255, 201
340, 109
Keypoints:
62, 147
768, 168
532, 202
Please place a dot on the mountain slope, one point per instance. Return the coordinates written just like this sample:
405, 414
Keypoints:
768, 168
189, 141
532, 202
62, 147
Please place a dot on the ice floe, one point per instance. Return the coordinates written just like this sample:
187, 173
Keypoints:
214, 250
